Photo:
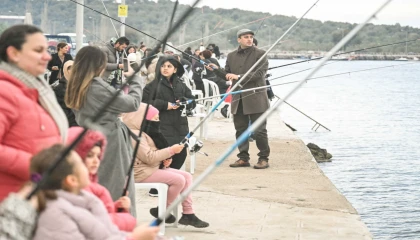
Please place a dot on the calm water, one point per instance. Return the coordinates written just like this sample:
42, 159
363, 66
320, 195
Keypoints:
374, 118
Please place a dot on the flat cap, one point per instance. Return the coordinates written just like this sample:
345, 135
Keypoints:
244, 31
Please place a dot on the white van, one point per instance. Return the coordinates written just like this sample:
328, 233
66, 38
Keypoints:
73, 39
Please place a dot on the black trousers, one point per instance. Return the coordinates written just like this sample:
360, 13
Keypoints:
179, 159
241, 123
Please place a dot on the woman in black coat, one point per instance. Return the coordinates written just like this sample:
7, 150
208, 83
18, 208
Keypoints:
60, 92
55, 65
163, 93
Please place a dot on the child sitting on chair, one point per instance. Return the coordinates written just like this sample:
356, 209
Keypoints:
154, 151
91, 149
68, 211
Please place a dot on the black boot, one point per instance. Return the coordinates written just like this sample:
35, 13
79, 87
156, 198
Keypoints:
192, 220
155, 213
153, 192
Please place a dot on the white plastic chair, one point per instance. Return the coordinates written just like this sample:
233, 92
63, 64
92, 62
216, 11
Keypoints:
162, 199
187, 81
216, 92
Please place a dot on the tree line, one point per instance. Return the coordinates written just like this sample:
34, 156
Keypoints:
55, 16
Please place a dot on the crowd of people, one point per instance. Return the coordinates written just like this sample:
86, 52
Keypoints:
82, 197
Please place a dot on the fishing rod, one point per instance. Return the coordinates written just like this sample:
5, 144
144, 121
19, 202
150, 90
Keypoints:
170, 21
89, 123
161, 41
279, 84
238, 84
264, 18
316, 122
244, 137
337, 54
110, 19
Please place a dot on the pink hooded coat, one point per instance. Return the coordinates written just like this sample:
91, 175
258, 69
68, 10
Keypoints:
124, 220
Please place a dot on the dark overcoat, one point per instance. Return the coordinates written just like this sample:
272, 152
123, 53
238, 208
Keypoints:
239, 62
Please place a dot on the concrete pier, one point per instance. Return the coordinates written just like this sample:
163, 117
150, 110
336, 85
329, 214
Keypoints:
292, 199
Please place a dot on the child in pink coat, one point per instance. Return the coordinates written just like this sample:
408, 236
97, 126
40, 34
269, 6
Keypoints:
67, 211
91, 150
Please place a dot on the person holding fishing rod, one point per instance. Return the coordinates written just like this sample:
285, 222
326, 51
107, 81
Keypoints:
113, 51
85, 94
248, 106
153, 158
169, 90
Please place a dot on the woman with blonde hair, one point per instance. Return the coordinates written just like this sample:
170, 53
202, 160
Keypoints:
86, 93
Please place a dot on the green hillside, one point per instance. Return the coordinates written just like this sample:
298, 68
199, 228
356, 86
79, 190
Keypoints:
153, 18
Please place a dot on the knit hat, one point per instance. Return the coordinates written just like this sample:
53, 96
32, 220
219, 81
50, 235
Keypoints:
151, 112
91, 139
67, 69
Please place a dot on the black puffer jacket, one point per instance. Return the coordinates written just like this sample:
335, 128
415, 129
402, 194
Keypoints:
172, 125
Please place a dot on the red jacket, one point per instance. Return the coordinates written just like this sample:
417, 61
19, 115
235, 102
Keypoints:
123, 220
25, 129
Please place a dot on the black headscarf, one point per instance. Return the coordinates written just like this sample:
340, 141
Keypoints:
152, 128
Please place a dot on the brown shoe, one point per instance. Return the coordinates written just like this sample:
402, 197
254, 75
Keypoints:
240, 163
261, 164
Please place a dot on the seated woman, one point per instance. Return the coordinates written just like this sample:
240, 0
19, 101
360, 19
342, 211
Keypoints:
155, 153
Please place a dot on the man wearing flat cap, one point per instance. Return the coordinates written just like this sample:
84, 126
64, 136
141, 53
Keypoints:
248, 106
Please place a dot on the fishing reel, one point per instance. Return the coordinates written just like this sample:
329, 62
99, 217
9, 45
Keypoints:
186, 112
195, 146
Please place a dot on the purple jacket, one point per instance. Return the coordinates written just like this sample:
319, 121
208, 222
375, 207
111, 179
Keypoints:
73, 216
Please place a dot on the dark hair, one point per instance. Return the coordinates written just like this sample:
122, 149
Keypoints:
148, 58
89, 63
255, 41
122, 40
172, 60
130, 47
142, 46
43, 161
15, 36
206, 54
61, 45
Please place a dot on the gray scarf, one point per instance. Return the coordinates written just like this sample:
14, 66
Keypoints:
46, 96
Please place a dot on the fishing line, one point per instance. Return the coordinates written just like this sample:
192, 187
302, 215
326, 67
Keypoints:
238, 83
262, 119
337, 54
91, 122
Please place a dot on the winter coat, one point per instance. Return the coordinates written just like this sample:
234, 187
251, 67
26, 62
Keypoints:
112, 64
56, 61
17, 218
151, 69
72, 216
25, 129
172, 125
60, 92
239, 62
118, 154
123, 220
148, 157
